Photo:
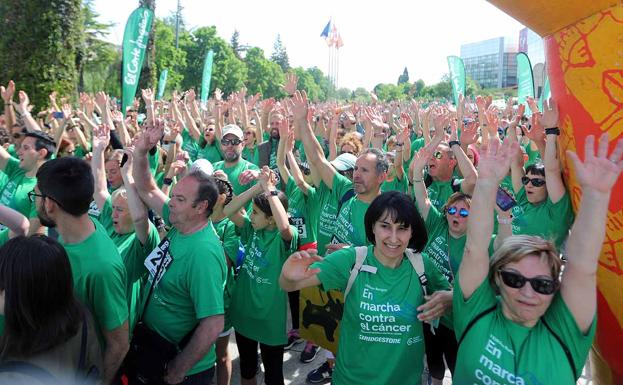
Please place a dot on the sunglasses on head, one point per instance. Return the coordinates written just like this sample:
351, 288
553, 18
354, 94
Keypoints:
536, 182
234, 142
464, 213
544, 286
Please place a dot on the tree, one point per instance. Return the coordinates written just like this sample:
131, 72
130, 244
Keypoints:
167, 56
387, 92
228, 72
361, 95
39, 42
419, 87
263, 75
307, 82
235, 44
404, 78
280, 56
327, 89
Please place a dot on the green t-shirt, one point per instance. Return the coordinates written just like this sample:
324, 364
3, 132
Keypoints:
380, 337
189, 145
349, 226
497, 350
234, 172
100, 278
534, 156
211, 152
326, 204
396, 185
259, 305
133, 254
439, 192
191, 287
301, 214
416, 145
548, 220
226, 232
253, 157
15, 193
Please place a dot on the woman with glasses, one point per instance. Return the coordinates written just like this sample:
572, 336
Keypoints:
543, 204
518, 319
446, 242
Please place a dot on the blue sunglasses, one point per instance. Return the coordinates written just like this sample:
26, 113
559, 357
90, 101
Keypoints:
464, 213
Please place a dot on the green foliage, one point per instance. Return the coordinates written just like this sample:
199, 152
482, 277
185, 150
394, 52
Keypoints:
167, 56
264, 76
387, 92
361, 95
327, 89
280, 56
39, 44
404, 78
228, 72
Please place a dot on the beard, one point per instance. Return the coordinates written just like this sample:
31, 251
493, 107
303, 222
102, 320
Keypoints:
44, 218
231, 157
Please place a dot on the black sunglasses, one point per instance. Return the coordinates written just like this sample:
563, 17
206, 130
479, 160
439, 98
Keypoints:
536, 182
464, 213
544, 286
234, 142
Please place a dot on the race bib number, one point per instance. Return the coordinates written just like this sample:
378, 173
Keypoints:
158, 261
299, 223
93, 210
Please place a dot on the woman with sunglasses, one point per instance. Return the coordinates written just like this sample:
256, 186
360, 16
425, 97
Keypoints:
543, 204
519, 320
446, 242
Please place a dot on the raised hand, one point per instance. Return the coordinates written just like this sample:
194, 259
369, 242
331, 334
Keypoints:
66, 111
102, 100
598, 171
549, 118
218, 94
22, 106
532, 104
297, 266
150, 137
290, 86
469, 134
7, 93
148, 96
495, 159
101, 138
300, 107
536, 133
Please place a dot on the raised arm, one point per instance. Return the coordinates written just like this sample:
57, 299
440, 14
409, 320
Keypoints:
14, 220
138, 211
268, 182
101, 138
285, 134
7, 96
296, 273
145, 184
313, 150
420, 159
553, 176
22, 109
465, 165
238, 202
597, 175
492, 168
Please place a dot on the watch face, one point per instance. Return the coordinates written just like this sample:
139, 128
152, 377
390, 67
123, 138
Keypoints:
274, 192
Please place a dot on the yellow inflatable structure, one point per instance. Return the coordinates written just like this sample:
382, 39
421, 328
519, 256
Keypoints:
584, 55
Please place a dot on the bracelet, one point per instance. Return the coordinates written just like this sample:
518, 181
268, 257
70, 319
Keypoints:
453, 142
552, 131
167, 181
505, 221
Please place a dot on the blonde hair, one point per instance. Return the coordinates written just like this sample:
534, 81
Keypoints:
352, 139
515, 248
120, 192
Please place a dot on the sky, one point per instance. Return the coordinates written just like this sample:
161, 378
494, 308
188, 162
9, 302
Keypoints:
380, 38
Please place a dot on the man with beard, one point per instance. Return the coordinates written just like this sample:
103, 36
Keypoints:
239, 171
62, 196
268, 149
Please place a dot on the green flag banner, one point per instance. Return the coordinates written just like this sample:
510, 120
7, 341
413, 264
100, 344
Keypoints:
457, 77
525, 80
135, 40
546, 93
162, 83
207, 76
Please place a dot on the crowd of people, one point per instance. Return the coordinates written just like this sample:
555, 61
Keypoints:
134, 245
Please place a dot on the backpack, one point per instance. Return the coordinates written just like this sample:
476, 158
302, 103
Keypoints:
360, 255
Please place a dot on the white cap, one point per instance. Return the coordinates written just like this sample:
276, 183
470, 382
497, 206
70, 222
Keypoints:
344, 162
234, 130
202, 165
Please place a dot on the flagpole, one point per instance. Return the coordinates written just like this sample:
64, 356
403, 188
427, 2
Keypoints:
337, 67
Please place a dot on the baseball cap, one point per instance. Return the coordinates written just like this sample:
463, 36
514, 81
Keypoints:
202, 165
234, 130
344, 162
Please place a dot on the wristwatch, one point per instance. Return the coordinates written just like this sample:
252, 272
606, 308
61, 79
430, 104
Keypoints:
273, 193
453, 142
552, 131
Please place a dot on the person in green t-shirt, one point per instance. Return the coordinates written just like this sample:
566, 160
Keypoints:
258, 303
519, 319
125, 218
240, 172
35, 149
381, 336
62, 196
188, 299
250, 152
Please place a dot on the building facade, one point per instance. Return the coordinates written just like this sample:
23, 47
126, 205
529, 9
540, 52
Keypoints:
491, 63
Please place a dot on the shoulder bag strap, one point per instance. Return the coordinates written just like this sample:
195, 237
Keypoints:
472, 322
418, 265
360, 256
564, 346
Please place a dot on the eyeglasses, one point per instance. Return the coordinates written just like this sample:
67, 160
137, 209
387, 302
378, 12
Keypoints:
464, 213
32, 196
544, 286
233, 142
536, 182
438, 155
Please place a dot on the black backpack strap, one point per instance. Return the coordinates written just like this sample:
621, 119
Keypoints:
31, 370
564, 346
347, 195
472, 322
